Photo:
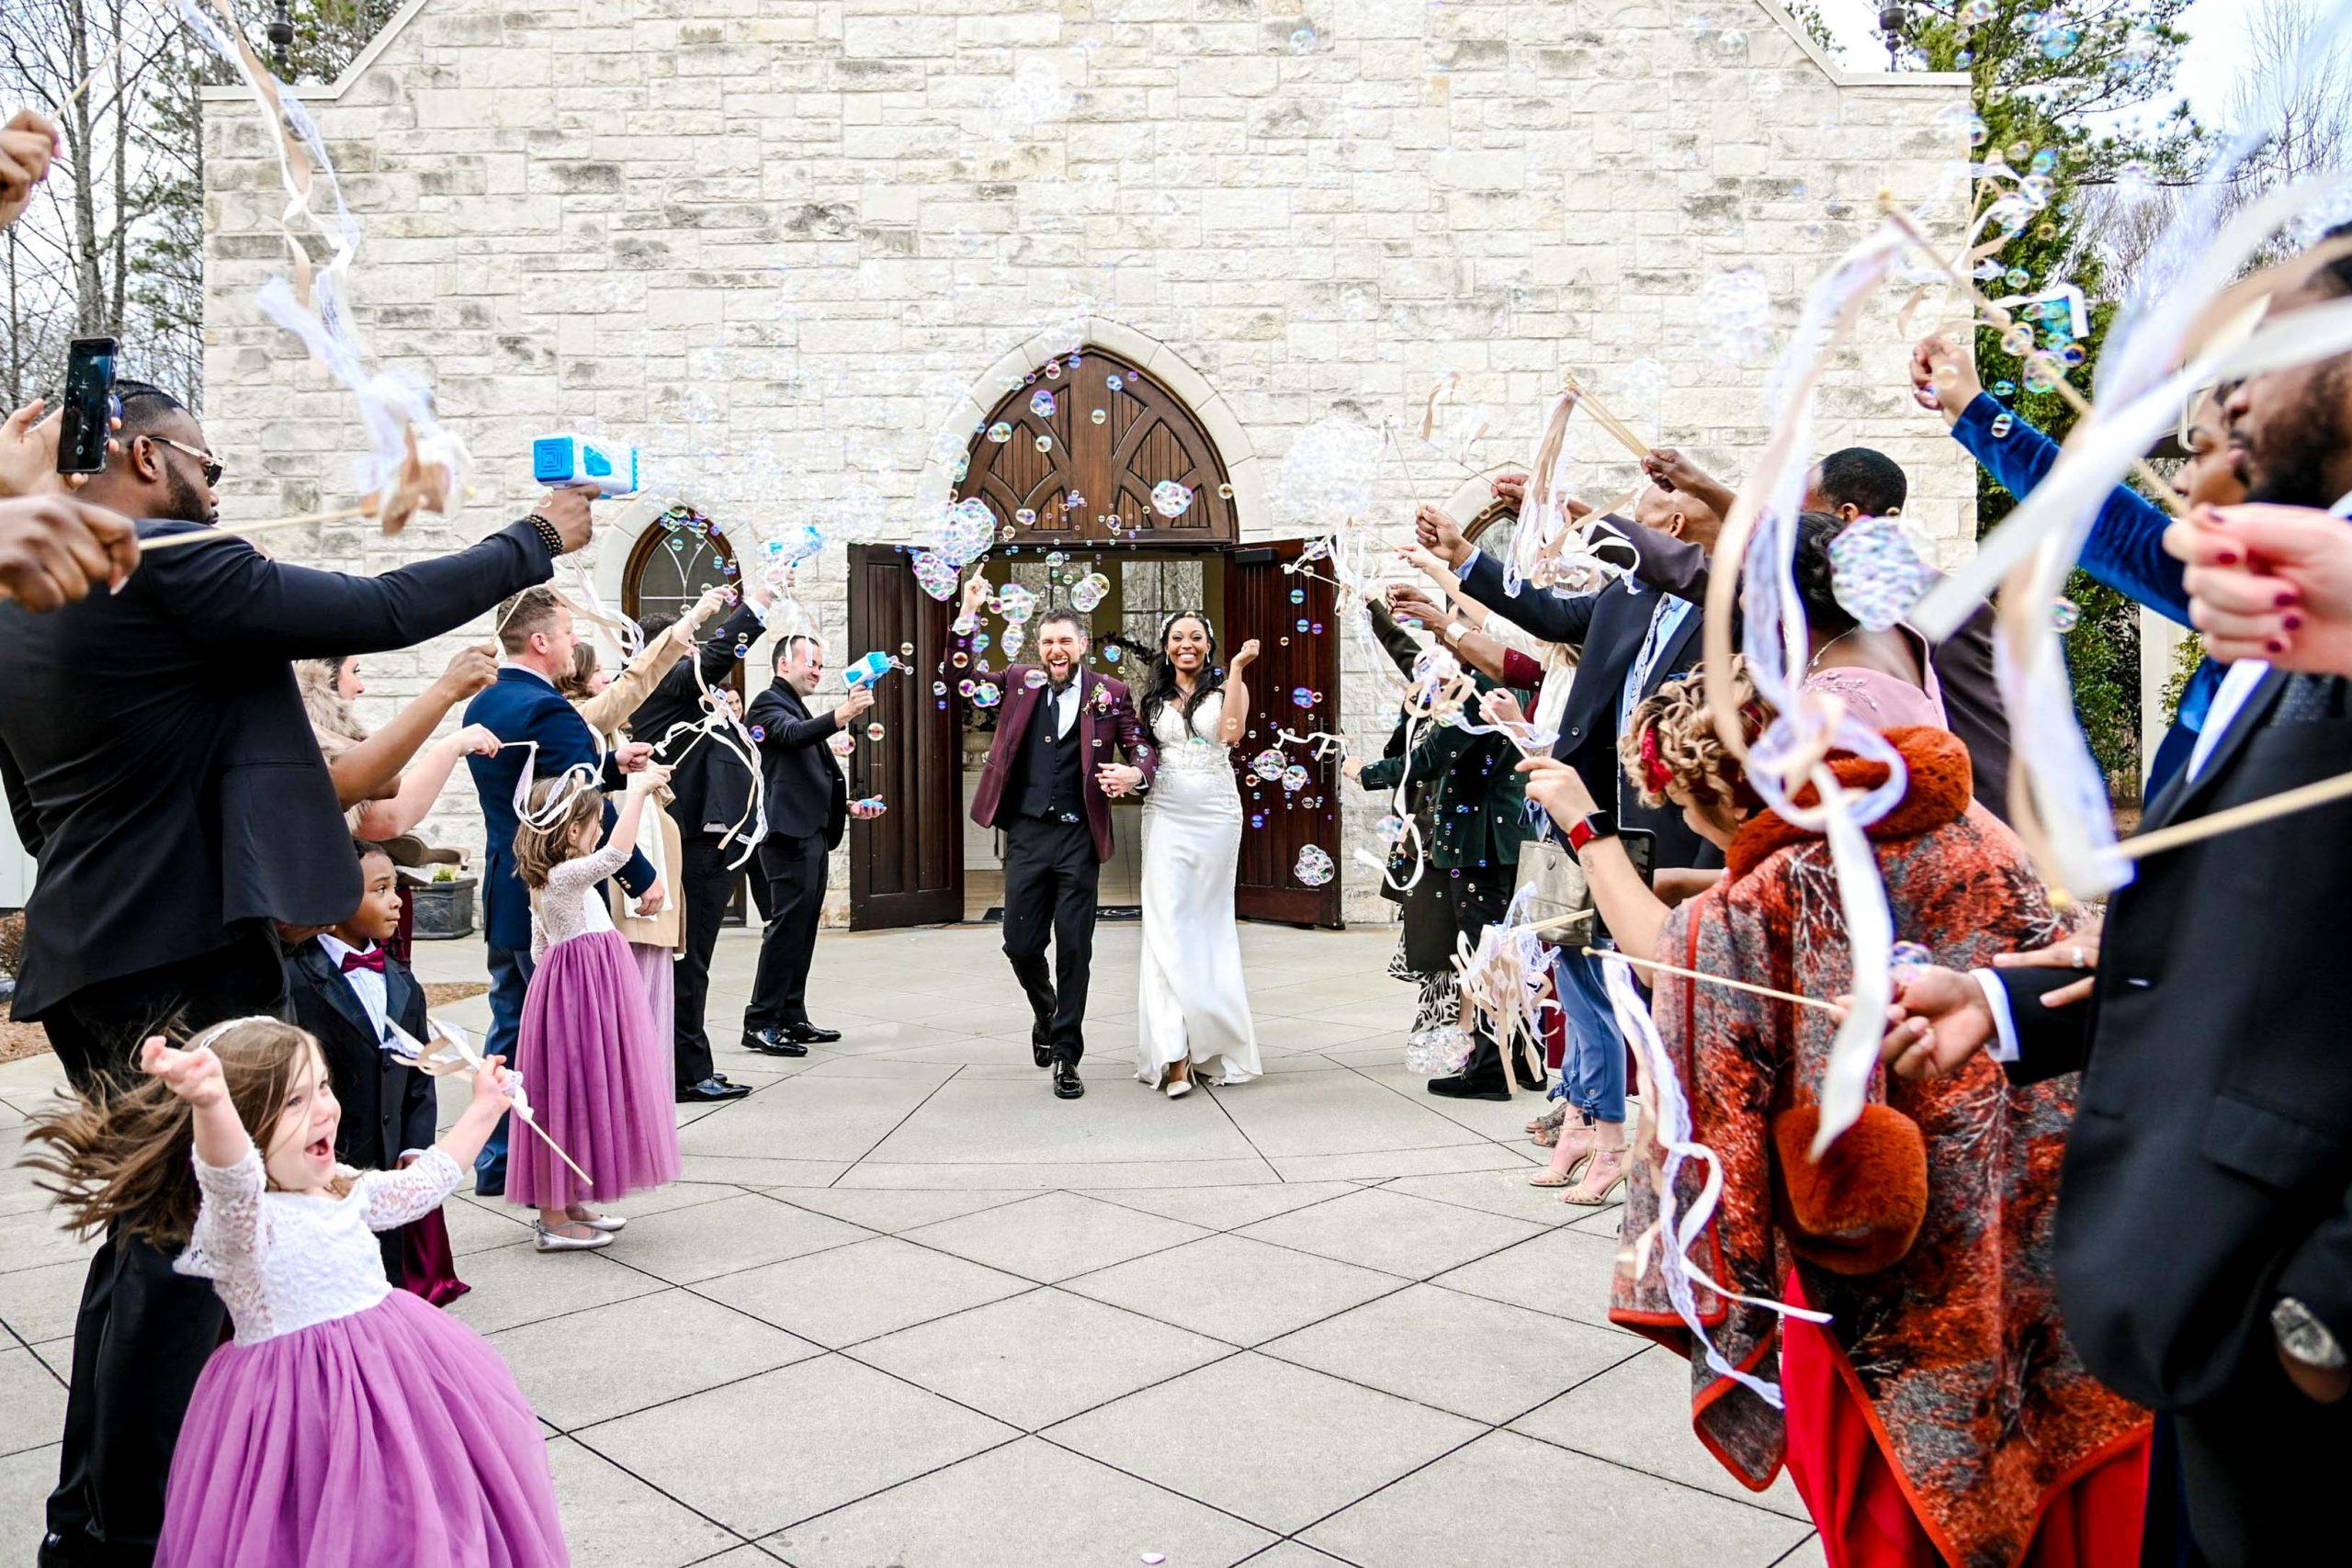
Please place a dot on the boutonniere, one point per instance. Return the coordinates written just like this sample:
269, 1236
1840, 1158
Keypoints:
1103, 699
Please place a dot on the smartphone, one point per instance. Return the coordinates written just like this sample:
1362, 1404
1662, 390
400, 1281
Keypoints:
1641, 847
88, 415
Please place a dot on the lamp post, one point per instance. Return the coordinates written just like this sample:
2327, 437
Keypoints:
281, 36
1895, 24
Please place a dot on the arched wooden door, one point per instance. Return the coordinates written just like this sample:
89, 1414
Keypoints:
1073, 454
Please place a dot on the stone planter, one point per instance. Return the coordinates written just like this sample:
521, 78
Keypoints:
444, 909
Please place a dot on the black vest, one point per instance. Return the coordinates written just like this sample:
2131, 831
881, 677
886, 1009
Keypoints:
1048, 782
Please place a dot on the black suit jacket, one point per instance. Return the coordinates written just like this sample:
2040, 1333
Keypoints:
158, 761
806, 792
1963, 661
2210, 1167
708, 783
388, 1106
1608, 626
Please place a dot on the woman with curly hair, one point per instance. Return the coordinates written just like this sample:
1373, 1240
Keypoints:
1939, 1416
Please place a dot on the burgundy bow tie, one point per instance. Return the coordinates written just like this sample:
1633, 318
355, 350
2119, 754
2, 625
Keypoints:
371, 959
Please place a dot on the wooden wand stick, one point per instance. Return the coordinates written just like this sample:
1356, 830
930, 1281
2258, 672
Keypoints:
1813, 1002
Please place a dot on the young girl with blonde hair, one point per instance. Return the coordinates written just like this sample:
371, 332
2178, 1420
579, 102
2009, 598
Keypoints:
598, 1070
348, 1421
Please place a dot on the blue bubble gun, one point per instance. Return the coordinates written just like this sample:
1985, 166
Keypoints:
558, 461
867, 670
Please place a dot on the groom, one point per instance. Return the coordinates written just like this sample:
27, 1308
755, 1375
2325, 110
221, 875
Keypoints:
1052, 773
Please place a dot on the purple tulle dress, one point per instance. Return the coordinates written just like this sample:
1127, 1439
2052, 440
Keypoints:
596, 1069
348, 1422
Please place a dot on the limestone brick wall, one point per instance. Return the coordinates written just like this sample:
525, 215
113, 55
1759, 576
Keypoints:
795, 245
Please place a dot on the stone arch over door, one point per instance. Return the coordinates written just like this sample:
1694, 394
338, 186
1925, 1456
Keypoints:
1074, 454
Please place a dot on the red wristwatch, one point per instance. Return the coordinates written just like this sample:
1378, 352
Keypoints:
1599, 825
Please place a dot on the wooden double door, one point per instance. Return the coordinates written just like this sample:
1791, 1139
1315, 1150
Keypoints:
907, 866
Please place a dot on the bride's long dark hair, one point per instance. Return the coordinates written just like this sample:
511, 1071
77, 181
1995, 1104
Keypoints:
1159, 685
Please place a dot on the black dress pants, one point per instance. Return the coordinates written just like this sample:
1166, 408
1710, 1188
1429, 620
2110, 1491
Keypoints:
1477, 896
2250, 1478
703, 883
1050, 875
143, 1333
795, 868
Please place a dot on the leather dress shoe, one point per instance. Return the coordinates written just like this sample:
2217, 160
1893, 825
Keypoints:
711, 1087
810, 1035
1041, 1046
1469, 1089
772, 1043
1067, 1084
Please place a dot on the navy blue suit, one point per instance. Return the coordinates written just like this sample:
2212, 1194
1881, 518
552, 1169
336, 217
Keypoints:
521, 706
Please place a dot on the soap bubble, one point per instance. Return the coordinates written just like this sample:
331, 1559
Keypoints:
1328, 476
1115, 381
1301, 697
1269, 764
1294, 778
1034, 679
1304, 40
1390, 829
986, 695
1313, 867
1034, 97
1876, 573
1041, 403
2002, 426
999, 432
2065, 616
1089, 592
1098, 416
1737, 306
1171, 499
1015, 604
1044, 444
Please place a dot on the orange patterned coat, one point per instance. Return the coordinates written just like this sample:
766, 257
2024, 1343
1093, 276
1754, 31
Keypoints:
1976, 1396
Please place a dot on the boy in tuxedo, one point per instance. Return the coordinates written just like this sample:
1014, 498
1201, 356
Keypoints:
352, 994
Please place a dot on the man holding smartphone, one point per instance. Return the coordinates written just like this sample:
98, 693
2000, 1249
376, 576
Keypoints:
54, 548
162, 770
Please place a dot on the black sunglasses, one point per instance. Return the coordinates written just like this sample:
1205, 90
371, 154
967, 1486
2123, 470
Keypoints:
212, 469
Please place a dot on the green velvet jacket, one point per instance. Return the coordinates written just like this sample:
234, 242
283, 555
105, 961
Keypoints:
1479, 803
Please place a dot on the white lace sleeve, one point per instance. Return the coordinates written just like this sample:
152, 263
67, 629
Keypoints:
232, 1230
396, 1197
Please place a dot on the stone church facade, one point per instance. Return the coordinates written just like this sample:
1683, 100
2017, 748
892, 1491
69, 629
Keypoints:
805, 253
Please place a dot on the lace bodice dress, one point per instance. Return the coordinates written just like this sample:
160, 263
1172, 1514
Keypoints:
1192, 1001
1194, 765
284, 1261
573, 903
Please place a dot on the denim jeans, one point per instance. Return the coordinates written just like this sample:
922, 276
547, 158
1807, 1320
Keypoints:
1592, 1067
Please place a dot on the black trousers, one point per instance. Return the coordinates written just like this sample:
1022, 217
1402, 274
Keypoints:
143, 1333
703, 883
1050, 875
1476, 899
795, 869
2250, 1478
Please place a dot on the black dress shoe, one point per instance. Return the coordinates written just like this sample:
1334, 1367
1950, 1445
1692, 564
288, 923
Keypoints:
1041, 1046
711, 1087
772, 1043
1066, 1081
810, 1035
1469, 1089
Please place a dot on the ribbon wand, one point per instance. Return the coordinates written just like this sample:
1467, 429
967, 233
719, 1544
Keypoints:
451, 1052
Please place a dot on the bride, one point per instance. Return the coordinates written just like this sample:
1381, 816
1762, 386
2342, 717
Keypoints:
1193, 1008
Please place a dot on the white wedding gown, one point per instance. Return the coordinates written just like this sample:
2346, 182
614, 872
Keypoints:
1192, 1001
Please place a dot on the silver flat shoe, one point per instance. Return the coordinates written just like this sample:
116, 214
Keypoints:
608, 1224
545, 1240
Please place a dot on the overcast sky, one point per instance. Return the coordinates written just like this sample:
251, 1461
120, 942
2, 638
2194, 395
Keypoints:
2208, 66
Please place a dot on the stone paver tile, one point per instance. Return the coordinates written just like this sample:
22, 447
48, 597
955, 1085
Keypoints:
57, 1354
609, 1360
1291, 1114
40, 1303
1807, 1553
890, 1210
1230, 1208
866, 1065
1638, 1414
1485, 1359
1054, 1237
1072, 1175
785, 1446
1499, 1500
1036, 1358
734, 1234
1380, 1165
25, 1480
987, 1119
478, 1228
1291, 1554
854, 1293
728, 1170
514, 1285
33, 1238
1497, 1192
1564, 1273
807, 1118
34, 1400
1027, 1505
611, 1519
1392, 1233
1277, 1444
1237, 1291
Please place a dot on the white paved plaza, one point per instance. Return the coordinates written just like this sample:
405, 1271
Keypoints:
907, 1308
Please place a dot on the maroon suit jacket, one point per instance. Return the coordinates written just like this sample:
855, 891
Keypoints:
1107, 723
